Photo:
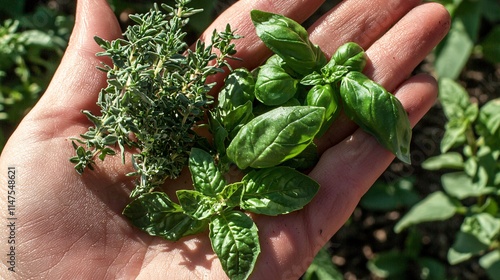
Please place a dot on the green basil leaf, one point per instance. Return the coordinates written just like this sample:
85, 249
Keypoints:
454, 99
198, 205
238, 89
157, 215
274, 86
235, 240
378, 112
435, 207
312, 79
289, 40
277, 190
207, 178
454, 134
350, 55
273, 137
260, 108
478, 232
306, 159
452, 160
231, 194
327, 97
488, 124
219, 133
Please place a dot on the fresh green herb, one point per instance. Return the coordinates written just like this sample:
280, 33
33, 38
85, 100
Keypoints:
378, 112
470, 176
264, 122
273, 137
156, 90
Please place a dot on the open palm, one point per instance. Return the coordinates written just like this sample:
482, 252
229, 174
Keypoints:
70, 226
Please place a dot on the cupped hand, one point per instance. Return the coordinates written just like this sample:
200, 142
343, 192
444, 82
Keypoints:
70, 226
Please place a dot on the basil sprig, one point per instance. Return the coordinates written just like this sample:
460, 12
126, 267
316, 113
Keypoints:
336, 84
378, 112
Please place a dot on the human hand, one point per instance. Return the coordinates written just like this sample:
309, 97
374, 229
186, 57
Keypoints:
70, 226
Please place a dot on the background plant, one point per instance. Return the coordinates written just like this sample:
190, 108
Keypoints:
31, 45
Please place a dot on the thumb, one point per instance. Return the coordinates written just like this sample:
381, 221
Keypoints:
77, 82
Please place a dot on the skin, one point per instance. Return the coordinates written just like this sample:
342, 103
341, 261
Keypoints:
70, 226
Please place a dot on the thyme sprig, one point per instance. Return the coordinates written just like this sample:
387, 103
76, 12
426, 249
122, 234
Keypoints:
157, 93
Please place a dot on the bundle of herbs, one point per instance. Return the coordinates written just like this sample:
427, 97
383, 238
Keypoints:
264, 122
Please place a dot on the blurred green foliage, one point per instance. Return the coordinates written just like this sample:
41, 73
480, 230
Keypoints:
470, 158
475, 28
31, 46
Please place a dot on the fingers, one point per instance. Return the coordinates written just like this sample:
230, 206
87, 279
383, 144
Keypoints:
77, 82
394, 56
362, 22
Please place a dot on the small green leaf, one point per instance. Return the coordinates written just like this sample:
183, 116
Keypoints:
207, 178
235, 240
486, 169
157, 215
327, 97
390, 196
431, 269
312, 79
273, 137
454, 134
476, 235
238, 89
274, 86
435, 207
197, 205
289, 40
488, 124
231, 194
391, 264
483, 226
348, 57
453, 98
491, 263
322, 268
378, 112
450, 160
491, 45
219, 133
454, 51
277, 190
237, 117
460, 185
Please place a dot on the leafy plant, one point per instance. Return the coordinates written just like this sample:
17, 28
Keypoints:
471, 148
322, 268
29, 55
157, 98
464, 38
395, 264
399, 263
